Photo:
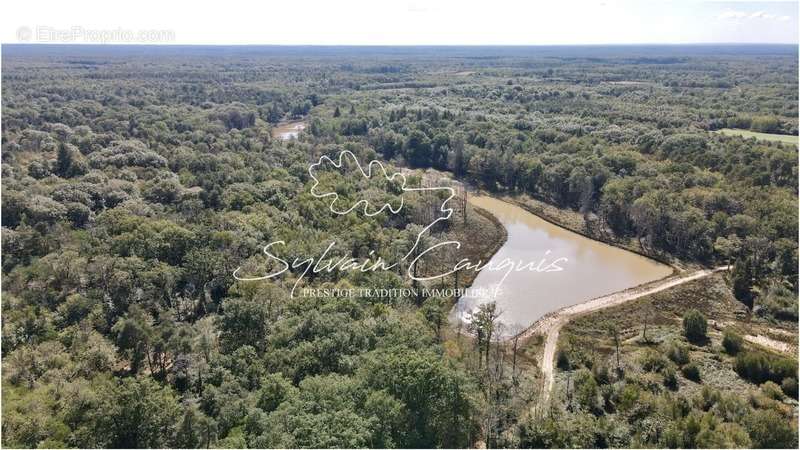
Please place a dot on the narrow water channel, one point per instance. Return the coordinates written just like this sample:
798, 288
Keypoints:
589, 269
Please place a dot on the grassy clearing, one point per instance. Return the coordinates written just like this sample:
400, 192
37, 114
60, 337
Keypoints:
663, 314
785, 138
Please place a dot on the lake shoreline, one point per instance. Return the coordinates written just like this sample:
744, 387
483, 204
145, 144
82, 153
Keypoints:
471, 275
675, 269
613, 269
518, 200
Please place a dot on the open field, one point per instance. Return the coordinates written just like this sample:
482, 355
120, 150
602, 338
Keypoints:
551, 325
785, 138
652, 324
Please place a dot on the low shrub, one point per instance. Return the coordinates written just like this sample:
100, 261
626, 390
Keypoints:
653, 361
562, 360
678, 353
670, 379
732, 342
695, 326
772, 390
759, 367
692, 372
789, 387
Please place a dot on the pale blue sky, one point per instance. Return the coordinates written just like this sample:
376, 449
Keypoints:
409, 22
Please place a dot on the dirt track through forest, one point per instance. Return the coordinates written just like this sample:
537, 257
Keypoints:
550, 325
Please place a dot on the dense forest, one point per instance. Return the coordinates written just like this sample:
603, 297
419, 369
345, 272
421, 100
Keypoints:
135, 180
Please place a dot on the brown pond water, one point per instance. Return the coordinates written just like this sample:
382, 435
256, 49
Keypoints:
288, 130
589, 269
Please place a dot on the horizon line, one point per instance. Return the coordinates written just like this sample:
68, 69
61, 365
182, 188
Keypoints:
608, 44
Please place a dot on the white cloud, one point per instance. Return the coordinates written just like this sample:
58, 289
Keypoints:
741, 15
761, 15
733, 15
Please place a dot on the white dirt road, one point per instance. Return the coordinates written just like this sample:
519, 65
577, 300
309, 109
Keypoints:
550, 325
